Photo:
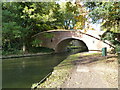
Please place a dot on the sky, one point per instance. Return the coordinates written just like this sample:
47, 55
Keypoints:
96, 26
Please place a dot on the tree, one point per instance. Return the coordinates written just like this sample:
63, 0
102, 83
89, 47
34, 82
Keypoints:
22, 20
65, 15
82, 19
108, 15
106, 12
11, 29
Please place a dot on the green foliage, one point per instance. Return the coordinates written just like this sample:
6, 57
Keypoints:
24, 19
110, 36
108, 12
48, 35
36, 42
21, 21
41, 50
65, 14
117, 48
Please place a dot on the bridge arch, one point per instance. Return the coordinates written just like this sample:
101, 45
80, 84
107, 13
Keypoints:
59, 39
62, 44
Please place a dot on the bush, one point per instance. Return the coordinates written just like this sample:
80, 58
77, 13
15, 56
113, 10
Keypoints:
117, 48
40, 50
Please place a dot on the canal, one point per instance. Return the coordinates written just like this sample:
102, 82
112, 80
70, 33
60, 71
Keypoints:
23, 72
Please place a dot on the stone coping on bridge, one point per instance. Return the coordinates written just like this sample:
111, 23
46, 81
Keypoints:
59, 30
64, 30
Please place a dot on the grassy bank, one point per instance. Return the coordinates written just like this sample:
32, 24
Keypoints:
24, 55
33, 52
62, 71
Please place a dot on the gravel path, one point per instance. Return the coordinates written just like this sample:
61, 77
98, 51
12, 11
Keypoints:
95, 75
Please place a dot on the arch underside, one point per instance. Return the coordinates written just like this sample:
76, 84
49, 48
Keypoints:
62, 45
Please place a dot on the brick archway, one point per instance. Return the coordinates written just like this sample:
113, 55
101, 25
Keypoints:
61, 38
61, 45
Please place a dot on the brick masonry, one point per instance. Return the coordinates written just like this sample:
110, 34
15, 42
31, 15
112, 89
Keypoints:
61, 38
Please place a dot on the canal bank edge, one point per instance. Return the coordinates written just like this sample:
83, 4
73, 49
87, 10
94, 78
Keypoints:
61, 72
24, 55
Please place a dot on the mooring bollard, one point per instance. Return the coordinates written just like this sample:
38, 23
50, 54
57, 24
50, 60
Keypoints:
104, 51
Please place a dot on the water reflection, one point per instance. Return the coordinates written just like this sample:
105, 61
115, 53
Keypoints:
23, 72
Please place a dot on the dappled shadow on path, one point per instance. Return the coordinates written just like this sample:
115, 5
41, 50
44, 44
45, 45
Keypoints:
90, 59
83, 60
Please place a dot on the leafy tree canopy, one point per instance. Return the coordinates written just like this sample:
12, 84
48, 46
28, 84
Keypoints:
106, 12
24, 19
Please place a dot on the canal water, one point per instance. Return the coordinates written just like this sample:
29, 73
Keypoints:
23, 72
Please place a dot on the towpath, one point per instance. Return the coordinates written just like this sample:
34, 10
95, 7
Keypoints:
90, 72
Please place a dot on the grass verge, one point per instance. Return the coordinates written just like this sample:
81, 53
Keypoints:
62, 71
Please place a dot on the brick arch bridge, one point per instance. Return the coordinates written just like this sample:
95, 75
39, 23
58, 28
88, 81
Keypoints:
59, 39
